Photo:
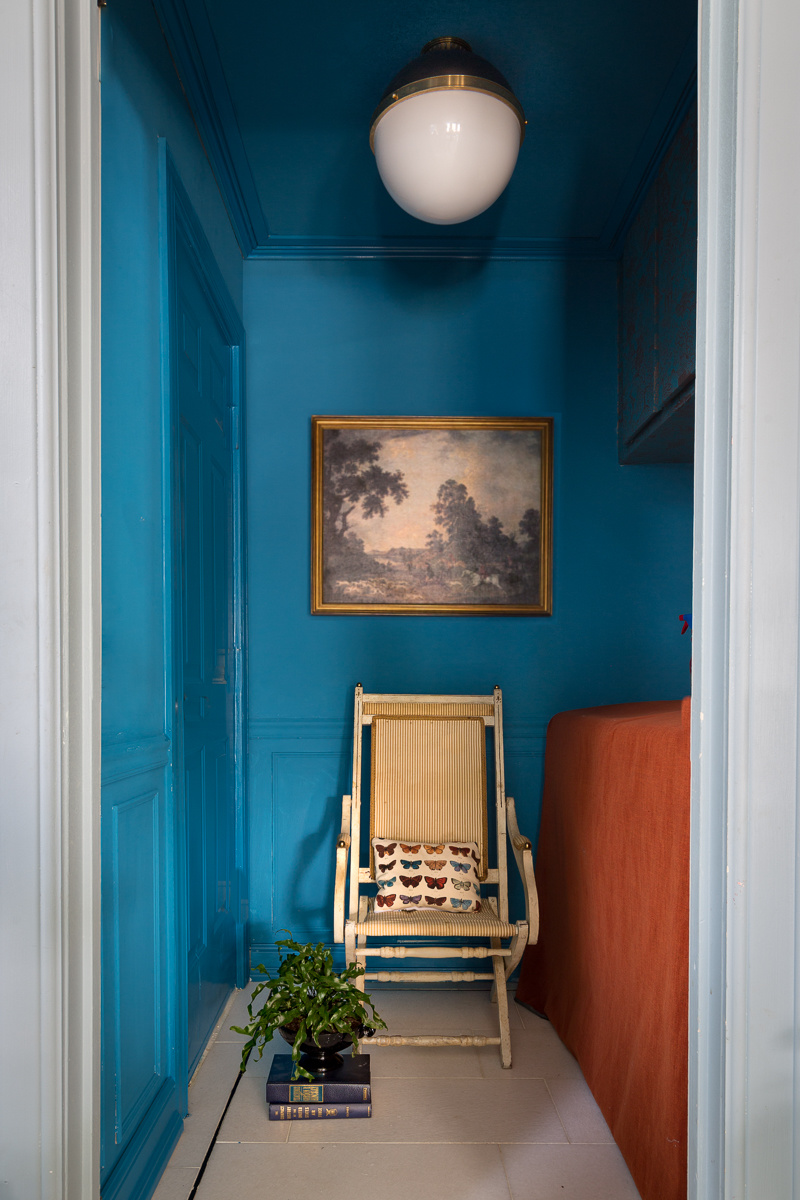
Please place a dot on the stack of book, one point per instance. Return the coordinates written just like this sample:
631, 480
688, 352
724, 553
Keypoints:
343, 1093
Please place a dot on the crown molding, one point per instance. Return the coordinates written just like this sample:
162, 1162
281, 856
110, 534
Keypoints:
191, 43
280, 248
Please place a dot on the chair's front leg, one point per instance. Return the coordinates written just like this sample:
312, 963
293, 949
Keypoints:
523, 853
350, 945
350, 958
518, 943
342, 849
501, 994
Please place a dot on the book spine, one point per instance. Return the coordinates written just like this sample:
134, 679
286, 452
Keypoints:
319, 1093
318, 1112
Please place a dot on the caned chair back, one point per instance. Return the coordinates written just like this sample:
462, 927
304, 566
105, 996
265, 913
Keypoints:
428, 780
428, 777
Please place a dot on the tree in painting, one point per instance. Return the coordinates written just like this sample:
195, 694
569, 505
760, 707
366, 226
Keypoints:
353, 479
488, 558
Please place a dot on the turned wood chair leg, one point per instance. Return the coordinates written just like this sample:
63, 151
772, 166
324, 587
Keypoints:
349, 946
502, 1012
517, 950
360, 982
493, 992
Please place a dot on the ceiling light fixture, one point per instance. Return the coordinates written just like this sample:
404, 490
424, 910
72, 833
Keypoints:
446, 134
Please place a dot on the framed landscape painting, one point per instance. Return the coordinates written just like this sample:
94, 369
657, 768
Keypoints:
432, 515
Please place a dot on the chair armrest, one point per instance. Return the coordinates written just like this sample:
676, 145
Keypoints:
523, 853
342, 848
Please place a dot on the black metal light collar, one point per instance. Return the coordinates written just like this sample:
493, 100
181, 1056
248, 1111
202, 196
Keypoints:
446, 63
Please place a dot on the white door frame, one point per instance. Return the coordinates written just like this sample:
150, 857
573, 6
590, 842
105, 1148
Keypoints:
746, 690
744, 953
49, 600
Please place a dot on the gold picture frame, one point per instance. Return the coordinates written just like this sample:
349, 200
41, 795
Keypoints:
432, 516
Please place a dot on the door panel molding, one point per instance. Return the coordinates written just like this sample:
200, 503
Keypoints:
180, 226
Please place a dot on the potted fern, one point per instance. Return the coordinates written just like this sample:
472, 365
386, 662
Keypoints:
316, 1010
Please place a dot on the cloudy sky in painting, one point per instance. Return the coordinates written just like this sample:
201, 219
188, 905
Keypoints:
501, 470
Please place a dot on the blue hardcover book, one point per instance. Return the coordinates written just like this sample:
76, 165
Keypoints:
318, 1112
349, 1083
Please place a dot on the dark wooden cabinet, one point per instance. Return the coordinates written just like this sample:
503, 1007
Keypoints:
658, 311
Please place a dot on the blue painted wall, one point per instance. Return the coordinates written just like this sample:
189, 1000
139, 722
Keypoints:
658, 312
144, 1074
501, 338
142, 100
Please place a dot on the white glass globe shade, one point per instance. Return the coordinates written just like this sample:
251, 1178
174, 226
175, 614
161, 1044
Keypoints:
445, 156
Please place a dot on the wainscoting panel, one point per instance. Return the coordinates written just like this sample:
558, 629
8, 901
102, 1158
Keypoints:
299, 769
140, 1112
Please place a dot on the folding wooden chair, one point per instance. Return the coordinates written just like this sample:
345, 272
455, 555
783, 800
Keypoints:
429, 784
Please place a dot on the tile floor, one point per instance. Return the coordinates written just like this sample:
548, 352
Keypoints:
448, 1122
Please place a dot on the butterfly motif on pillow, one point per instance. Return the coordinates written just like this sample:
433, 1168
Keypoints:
409, 865
435, 864
409, 849
435, 884
387, 883
386, 901
388, 866
434, 849
460, 903
381, 850
410, 880
461, 885
460, 850
460, 866
410, 899
435, 900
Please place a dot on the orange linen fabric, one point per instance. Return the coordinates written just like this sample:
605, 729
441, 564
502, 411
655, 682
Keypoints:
611, 968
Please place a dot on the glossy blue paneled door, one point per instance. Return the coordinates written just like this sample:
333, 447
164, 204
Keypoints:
205, 697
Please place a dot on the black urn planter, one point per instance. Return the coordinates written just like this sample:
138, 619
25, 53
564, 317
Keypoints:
323, 1056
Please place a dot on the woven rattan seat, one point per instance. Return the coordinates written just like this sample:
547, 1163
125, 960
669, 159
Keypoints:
435, 923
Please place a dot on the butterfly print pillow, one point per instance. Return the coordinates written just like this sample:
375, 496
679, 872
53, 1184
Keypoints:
446, 882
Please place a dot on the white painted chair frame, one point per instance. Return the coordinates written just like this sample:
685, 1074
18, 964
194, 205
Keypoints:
352, 909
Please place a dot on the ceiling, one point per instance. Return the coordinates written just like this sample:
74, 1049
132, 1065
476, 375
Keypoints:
283, 96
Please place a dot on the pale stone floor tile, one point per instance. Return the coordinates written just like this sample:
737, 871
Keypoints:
536, 1050
579, 1111
208, 1096
421, 1062
258, 1068
175, 1184
419, 1010
444, 1110
340, 1172
237, 1015
473, 1130
246, 1120
568, 1172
